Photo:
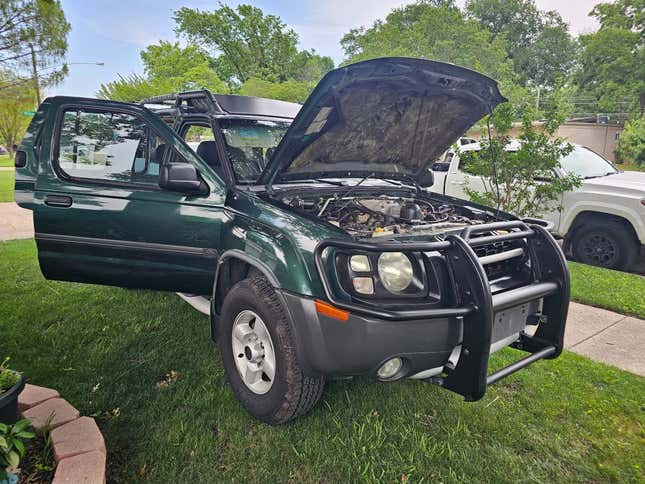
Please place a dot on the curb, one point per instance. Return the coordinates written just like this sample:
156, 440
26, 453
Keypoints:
79, 447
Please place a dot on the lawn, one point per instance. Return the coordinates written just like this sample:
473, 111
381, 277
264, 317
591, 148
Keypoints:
5, 160
631, 167
105, 349
6, 186
618, 291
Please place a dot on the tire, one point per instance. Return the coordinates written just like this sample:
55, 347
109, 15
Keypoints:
276, 396
606, 243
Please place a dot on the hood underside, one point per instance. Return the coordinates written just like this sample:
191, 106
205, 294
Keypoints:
388, 117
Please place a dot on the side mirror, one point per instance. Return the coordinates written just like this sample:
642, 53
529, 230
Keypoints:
180, 177
441, 166
426, 178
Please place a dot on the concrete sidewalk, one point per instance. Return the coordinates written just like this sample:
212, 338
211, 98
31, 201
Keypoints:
606, 336
15, 222
602, 335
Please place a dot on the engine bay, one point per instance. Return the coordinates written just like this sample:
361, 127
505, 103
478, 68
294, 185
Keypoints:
384, 215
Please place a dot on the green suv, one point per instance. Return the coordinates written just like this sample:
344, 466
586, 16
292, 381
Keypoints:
307, 233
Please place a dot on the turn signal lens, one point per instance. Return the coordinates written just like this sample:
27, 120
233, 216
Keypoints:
327, 309
360, 263
363, 285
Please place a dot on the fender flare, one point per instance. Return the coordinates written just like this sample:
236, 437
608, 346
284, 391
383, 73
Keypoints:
273, 280
253, 262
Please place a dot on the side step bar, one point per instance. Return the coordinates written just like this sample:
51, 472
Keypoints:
518, 365
200, 303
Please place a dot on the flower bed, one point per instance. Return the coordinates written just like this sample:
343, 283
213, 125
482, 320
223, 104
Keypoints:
76, 442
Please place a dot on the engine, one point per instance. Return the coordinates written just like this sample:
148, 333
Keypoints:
370, 216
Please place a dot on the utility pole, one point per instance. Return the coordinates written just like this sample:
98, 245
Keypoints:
537, 100
34, 69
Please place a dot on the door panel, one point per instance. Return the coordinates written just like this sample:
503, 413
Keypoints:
100, 215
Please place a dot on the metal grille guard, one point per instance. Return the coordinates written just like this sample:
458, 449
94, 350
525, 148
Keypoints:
476, 304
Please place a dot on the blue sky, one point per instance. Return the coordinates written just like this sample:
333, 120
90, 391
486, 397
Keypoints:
114, 32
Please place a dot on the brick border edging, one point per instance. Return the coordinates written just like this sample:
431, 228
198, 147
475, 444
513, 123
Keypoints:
79, 447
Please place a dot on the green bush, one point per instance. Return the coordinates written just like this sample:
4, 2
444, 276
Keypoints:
631, 146
12, 446
8, 378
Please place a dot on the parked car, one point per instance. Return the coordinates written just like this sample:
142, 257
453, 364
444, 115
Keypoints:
602, 222
305, 233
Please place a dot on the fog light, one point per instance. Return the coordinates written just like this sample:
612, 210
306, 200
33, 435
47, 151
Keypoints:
360, 263
390, 368
363, 285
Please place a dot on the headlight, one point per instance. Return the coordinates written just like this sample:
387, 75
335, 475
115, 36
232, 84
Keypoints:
395, 271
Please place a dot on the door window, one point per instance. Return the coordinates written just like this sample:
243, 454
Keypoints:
108, 146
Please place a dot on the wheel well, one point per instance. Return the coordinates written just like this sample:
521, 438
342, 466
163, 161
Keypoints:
231, 271
588, 217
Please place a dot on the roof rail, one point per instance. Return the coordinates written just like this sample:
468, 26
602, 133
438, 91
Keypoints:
201, 100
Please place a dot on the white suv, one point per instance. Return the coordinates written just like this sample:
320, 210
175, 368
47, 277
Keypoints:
602, 221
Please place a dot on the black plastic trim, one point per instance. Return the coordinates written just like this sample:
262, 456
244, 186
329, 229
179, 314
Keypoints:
129, 245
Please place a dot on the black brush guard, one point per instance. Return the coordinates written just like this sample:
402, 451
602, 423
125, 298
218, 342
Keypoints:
475, 302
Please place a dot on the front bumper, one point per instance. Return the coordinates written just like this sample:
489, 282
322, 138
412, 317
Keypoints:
425, 339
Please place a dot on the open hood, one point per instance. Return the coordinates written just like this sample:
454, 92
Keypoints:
388, 117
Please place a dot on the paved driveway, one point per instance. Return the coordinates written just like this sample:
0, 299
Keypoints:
15, 222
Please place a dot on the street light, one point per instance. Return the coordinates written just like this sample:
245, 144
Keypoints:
35, 71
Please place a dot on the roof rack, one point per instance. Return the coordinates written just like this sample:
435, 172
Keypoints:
200, 101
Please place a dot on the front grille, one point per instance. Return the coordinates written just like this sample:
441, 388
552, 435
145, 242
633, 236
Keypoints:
514, 267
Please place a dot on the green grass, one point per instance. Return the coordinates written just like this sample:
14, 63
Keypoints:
104, 349
630, 167
5, 160
6, 186
618, 291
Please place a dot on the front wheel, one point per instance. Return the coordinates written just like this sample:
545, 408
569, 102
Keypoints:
259, 356
607, 245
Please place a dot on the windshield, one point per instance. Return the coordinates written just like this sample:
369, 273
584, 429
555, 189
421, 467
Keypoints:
586, 164
250, 144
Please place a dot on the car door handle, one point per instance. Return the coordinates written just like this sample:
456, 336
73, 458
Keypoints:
58, 201
457, 183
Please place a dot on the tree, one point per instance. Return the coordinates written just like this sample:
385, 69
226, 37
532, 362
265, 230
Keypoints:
435, 30
168, 68
14, 101
538, 42
612, 62
246, 43
33, 41
631, 146
514, 180
293, 91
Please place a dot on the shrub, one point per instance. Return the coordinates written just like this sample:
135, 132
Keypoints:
12, 445
521, 181
8, 378
631, 146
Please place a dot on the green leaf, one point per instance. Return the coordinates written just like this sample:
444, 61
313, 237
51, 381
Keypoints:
20, 447
26, 435
4, 428
13, 459
3, 443
20, 426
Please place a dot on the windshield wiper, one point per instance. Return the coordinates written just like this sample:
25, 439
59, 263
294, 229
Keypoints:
319, 180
